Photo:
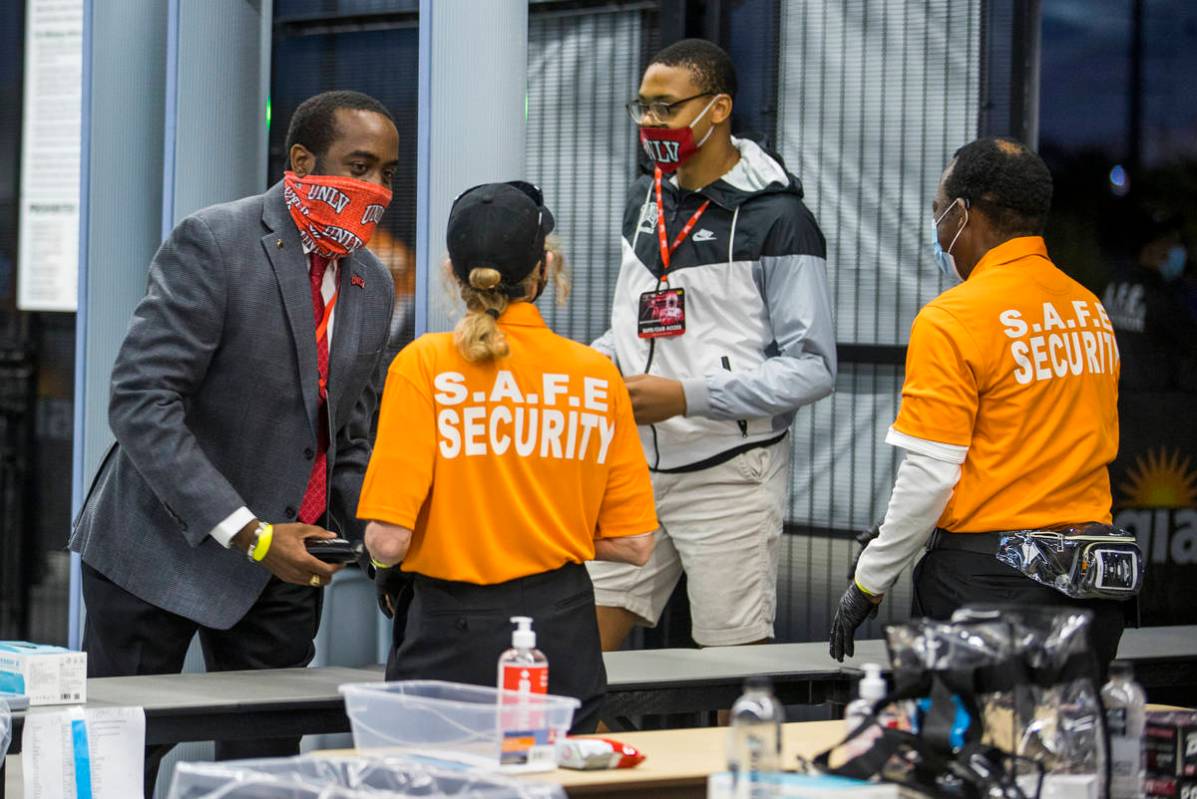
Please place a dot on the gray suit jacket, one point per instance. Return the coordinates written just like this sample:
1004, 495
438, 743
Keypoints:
214, 397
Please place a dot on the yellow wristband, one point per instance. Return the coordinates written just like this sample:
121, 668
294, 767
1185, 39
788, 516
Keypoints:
262, 545
864, 590
377, 565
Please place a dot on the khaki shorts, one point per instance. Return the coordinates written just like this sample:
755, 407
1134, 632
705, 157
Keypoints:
722, 526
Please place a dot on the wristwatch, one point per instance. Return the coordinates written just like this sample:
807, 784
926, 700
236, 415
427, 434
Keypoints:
261, 536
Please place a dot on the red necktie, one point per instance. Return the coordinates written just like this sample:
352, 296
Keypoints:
315, 496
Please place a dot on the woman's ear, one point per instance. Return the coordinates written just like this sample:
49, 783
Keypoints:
541, 271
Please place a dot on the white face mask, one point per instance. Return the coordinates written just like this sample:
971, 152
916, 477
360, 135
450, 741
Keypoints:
944, 259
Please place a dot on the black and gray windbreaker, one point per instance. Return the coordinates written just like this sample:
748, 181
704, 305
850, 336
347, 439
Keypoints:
759, 340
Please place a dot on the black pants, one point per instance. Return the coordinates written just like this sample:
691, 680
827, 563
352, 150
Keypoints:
125, 636
945, 580
457, 631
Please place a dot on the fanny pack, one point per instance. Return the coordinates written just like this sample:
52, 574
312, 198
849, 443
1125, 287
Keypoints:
1090, 561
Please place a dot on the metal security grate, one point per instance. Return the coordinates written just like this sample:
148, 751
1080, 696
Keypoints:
581, 147
873, 100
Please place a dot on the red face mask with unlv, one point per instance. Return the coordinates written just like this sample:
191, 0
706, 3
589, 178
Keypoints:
669, 148
335, 215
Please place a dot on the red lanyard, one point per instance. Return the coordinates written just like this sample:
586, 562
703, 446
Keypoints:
668, 249
322, 328
322, 332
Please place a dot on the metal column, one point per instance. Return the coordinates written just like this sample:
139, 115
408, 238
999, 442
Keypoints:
174, 119
473, 66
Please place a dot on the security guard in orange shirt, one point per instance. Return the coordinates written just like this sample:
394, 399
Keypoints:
1009, 413
506, 457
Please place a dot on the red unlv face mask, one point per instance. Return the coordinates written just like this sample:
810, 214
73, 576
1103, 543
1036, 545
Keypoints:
335, 215
669, 148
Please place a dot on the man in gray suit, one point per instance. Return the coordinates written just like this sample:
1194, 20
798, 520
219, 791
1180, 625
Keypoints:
244, 394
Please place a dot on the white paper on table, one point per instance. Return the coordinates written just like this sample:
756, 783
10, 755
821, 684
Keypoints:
97, 753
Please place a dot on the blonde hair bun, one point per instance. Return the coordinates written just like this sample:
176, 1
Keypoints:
485, 278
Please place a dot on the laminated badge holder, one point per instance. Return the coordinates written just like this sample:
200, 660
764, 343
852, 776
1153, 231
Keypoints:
662, 311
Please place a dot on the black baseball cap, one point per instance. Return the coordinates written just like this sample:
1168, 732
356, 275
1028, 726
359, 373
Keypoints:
501, 226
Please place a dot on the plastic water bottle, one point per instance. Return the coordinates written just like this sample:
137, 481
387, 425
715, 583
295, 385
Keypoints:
1126, 715
754, 737
524, 668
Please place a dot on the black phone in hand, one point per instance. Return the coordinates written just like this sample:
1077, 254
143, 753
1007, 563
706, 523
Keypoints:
333, 550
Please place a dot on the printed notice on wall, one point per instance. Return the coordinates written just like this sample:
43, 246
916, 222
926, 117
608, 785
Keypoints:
74, 753
48, 256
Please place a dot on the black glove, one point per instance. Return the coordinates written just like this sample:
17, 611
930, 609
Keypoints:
855, 606
863, 538
389, 583
390, 586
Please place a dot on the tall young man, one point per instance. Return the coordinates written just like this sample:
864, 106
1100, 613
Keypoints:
722, 328
242, 395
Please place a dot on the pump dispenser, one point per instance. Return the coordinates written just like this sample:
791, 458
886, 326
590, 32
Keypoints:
871, 689
523, 637
524, 668
872, 684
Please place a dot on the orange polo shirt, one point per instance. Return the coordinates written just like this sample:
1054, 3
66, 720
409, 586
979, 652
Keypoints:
1018, 364
506, 468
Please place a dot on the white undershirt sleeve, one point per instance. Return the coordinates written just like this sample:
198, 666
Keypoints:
232, 525
922, 489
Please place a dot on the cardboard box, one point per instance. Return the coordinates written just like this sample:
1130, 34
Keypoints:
801, 786
1170, 788
47, 675
1061, 786
1170, 744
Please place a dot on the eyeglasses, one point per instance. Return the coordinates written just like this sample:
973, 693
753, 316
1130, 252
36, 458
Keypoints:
660, 110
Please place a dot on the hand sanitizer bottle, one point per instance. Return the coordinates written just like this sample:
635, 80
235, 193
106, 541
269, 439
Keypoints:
524, 668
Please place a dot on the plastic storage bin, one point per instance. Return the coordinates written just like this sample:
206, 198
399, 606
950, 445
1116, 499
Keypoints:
317, 777
464, 723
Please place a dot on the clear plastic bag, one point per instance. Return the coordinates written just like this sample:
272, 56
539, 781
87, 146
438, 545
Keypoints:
1032, 677
925, 646
5, 729
1094, 561
311, 777
1054, 710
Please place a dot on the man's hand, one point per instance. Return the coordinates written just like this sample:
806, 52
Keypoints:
655, 399
855, 606
389, 585
287, 558
387, 545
